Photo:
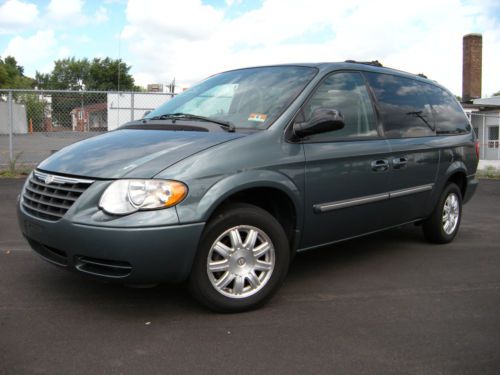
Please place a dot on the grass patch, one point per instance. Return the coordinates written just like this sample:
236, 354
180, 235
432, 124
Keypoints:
19, 172
15, 169
489, 172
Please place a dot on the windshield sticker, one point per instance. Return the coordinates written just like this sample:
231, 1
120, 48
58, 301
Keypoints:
259, 117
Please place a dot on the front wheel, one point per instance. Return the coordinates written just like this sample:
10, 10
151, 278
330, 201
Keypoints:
442, 226
242, 259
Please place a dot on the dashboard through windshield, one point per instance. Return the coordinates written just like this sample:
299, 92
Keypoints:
250, 98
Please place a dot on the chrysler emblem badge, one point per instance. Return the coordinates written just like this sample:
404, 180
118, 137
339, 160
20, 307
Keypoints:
49, 179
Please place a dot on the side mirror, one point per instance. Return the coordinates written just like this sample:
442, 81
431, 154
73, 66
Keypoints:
322, 120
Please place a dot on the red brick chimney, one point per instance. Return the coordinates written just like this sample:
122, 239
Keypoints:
472, 66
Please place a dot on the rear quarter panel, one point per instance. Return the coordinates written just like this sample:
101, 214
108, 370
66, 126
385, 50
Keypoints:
457, 154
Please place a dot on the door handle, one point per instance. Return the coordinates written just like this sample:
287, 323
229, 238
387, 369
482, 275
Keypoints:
398, 163
380, 165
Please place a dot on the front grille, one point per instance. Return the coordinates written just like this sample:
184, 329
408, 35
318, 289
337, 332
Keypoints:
50, 196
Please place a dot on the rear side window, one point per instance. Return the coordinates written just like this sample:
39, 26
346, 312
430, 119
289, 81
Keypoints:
404, 106
448, 114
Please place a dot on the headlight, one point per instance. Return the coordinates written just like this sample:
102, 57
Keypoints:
127, 196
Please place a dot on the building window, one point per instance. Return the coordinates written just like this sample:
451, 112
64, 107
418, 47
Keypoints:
492, 136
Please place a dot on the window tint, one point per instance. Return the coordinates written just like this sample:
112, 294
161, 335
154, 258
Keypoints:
448, 114
347, 93
404, 106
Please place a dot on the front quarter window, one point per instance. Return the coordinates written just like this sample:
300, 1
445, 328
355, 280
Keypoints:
248, 98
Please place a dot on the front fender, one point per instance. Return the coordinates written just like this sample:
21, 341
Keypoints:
201, 209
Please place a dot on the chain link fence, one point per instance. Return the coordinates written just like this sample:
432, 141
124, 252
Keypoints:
36, 123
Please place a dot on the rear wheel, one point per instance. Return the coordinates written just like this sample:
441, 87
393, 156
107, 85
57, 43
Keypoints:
242, 259
442, 226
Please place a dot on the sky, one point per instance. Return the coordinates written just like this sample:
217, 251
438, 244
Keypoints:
191, 39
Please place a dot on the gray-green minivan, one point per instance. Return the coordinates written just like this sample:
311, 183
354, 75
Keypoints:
222, 184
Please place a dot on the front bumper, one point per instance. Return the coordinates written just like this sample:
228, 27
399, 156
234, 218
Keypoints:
128, 255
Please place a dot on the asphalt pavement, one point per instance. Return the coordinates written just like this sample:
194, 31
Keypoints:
388, 303
30, 149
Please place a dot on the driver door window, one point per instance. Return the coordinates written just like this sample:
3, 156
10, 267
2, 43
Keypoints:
346, 92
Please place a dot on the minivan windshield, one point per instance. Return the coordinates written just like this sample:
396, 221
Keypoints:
246, 98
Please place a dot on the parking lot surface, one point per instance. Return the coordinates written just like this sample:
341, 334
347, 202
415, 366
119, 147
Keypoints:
30, 149
388, 303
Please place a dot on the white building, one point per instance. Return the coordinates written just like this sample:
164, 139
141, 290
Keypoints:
485, 118
128, 106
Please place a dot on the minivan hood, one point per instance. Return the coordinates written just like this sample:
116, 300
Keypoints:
132, 153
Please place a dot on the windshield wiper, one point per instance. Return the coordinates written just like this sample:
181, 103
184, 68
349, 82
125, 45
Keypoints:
226, 125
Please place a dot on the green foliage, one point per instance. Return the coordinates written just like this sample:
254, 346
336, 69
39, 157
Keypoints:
84, 74
35, 107
12, 75
497, 93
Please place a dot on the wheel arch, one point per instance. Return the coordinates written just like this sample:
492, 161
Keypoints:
456, 173
269, 190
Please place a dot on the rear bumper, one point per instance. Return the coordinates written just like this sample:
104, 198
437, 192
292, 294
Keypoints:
126, 255
470, 189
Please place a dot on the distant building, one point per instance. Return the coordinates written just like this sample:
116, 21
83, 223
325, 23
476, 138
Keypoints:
485, 118
155, 87
472, 66
484, 113
89, 117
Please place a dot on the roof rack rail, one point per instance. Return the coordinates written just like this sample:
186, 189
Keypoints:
373, 63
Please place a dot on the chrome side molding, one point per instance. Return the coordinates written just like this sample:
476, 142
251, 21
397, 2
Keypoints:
330, 206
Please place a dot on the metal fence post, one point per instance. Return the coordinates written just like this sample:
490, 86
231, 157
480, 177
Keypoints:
498, 140
132, 107
83, 114
485, 145
11, 128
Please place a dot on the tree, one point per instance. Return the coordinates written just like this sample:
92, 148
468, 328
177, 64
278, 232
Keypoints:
68, 74
497, 93
104, 73
35, 109
83, 74
12, 75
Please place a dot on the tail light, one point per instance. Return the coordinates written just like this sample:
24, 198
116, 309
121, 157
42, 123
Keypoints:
477, 148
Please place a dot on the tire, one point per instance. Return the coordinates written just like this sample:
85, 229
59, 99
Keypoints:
226, 276
442, 226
